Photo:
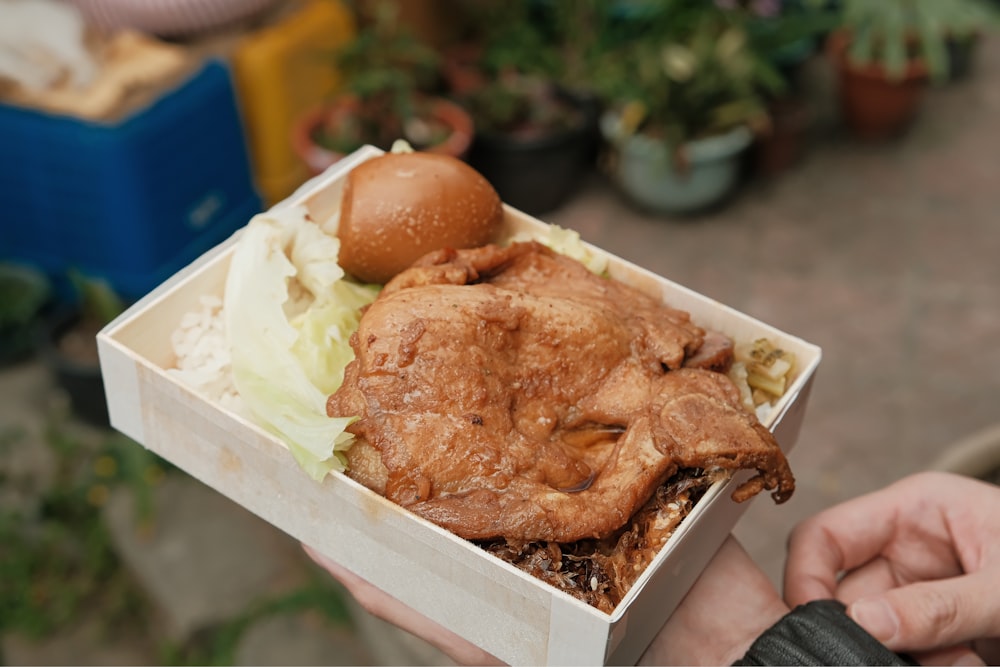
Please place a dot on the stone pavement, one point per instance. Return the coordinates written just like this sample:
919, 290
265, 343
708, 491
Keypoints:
886, 256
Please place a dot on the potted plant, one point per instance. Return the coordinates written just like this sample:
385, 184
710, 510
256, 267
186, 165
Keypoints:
887, 52
25, 293
390, 80
69, 346
786, 34
536, 132
963, 36
689, 95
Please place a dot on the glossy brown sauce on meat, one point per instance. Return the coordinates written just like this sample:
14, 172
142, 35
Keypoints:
515, 398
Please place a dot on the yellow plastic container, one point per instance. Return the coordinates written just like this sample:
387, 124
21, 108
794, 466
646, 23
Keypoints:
281, 70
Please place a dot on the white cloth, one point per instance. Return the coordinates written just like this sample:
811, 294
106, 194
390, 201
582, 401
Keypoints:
42, 42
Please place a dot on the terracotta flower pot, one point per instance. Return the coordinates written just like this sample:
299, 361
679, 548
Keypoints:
317, 157
875, 107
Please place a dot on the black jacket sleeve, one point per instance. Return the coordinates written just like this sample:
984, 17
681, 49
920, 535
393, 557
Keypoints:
819, 633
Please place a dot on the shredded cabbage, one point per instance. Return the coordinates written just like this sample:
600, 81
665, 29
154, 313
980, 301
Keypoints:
568, 242
289, 315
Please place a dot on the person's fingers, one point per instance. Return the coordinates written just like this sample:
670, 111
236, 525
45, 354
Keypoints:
379, 603
875, 576
885, 522
926, 615
837, 539
953, 655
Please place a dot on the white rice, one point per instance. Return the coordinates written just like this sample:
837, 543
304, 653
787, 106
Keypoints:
202, 354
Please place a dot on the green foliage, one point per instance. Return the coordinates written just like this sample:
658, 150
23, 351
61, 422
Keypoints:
389, 71
98, 301
683, 68
525, 106
59, 564
528, 48
691, 71
24, 291
791, 34
892, 33
219, 646
517, 37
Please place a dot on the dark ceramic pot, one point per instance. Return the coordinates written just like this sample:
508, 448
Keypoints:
540, 174
779, 148
961, 55
69, 349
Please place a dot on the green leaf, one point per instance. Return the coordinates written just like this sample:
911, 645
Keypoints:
731, 44
98, 299
932, 31
895, 59
678, 62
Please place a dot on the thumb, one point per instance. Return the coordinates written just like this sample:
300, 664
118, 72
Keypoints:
931, 614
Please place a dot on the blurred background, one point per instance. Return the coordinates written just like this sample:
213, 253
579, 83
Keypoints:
829, 167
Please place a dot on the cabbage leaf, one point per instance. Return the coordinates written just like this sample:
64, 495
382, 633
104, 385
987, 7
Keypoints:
568, 242
289, 316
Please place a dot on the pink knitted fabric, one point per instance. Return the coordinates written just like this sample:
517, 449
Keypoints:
169, 18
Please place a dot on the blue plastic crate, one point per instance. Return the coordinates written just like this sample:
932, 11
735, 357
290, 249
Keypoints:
132, 201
